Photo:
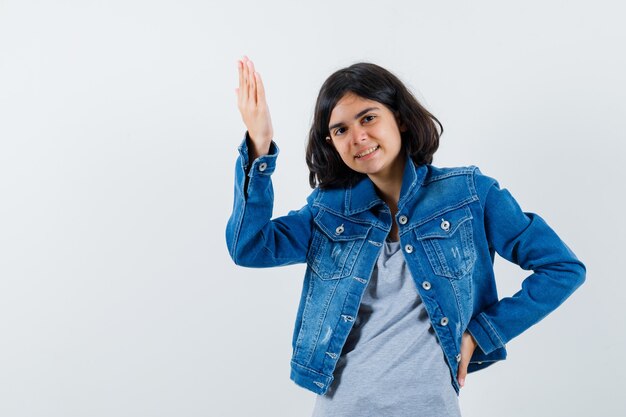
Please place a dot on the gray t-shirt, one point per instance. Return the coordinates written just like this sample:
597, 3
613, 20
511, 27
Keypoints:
391, 364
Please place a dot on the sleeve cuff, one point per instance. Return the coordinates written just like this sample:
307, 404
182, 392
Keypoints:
485, 335
263, 165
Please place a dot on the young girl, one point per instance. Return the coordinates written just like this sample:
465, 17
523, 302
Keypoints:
399, 297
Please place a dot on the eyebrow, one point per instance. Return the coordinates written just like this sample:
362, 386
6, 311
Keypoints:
359, 114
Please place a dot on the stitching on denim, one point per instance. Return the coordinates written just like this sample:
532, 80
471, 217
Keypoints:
343, 267
313, 257
445, 210
430, 254
457, 296
307, 303
306, 368
365, 208
343, 217
468, 235
331, 234
409, 191
456, 172
456, 283
492, 328
438, 260
323, 318
239, 224
457, 226
378, 224
471, 180
441, 258
346, 212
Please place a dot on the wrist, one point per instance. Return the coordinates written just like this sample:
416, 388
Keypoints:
258, 147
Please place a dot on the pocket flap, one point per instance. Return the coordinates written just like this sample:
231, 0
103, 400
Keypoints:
445, 224
338, 228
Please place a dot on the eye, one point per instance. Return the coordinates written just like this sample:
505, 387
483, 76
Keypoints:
365, 119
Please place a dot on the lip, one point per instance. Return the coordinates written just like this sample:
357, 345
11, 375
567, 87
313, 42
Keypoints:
377, 147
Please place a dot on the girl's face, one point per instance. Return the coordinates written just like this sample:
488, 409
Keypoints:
366, 135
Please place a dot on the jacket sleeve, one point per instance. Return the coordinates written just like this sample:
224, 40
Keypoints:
527, 240
253, 238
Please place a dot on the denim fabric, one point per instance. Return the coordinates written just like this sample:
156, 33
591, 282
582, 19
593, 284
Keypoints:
451, 223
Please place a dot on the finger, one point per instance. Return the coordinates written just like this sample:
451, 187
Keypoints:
467, 350
240, 70
462, 372
253, 78
246, 81
260, 90
240, 88
251, 84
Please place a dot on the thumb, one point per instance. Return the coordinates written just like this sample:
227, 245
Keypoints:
468, 345
462, 372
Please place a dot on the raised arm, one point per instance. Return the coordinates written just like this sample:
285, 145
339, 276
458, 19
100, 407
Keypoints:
254, 239
253, 108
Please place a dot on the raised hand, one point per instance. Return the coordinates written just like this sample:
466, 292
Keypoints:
253, 108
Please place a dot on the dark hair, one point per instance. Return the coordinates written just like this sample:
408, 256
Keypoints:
372, 82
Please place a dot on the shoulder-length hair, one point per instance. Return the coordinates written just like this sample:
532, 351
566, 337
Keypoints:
420, 140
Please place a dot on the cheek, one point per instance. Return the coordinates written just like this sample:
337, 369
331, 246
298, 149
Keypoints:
343, 154
346, 159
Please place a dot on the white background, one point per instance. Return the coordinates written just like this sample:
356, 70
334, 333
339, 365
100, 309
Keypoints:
119, 128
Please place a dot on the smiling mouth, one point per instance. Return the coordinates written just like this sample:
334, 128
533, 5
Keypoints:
367, 152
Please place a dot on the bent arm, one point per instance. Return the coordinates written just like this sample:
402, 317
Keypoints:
526, 239
253, 238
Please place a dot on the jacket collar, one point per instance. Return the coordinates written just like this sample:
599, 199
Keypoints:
362, 196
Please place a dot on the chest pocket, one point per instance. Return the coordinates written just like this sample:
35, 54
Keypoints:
335, 246
448, 241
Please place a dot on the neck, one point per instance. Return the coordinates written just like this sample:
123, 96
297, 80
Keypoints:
389, 184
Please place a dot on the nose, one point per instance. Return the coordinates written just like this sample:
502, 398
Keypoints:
359, 133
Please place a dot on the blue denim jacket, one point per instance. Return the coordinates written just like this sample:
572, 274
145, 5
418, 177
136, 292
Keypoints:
451, 222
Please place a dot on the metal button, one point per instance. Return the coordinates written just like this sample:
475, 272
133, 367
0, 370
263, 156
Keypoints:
445, 225
426, 285
458, 357
444, 321
339, 230
408, 249
262, 166
480, 363
403, 219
